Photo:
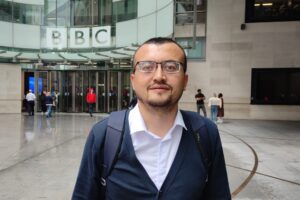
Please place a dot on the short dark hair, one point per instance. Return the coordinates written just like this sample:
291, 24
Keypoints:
164, 40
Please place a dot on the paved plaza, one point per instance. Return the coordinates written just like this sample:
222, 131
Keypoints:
40, 157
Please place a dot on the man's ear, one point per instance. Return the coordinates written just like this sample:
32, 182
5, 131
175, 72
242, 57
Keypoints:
186, 79
132, 76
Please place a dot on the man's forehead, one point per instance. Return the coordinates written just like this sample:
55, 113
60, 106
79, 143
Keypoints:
158, 45
153, 47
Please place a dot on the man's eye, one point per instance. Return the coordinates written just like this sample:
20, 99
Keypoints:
147, 67
171, 67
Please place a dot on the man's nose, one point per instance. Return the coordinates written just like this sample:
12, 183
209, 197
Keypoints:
159, 73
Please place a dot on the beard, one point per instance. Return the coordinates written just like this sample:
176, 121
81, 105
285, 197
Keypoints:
165, 103
160, 104
164, 100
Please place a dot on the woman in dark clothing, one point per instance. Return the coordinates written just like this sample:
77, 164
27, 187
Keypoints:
42, 102
221, 109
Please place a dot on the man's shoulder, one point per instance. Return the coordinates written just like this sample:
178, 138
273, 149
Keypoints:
100, 126
97, 133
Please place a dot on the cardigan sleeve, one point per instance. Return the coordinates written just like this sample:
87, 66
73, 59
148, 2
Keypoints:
88, 186
217, 186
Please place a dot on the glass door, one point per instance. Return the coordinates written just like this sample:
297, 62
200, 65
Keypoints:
112, 88
113, 91
67, 93
101, 92
42, 77
54, 81
78, 91
119, 90
125, 88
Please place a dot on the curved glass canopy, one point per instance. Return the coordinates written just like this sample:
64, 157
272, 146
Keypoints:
67, 57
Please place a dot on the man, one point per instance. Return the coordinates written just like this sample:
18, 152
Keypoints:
30, 98
158, 157
49, 104
91, 100
200, 102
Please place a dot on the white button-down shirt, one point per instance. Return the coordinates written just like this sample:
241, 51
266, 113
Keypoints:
156, 154
30, 97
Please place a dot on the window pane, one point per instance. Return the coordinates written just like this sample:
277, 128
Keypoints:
124, 10
82, 12
105, 17
185, 11
27, 13
271, 10
294, 93
275, 86
197, 52
187, 18
63, 13
5, 11
184, 7
50, 12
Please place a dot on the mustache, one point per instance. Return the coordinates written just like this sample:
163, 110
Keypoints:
160, 86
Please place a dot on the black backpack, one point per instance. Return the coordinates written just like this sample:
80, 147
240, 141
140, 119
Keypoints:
114, 136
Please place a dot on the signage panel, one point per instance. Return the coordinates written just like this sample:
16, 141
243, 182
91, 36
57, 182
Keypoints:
56, 38
61, 38
79, 37
101, 36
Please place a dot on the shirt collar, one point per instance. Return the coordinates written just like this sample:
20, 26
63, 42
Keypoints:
137, 124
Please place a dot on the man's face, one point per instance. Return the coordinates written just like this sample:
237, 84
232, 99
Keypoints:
158, 88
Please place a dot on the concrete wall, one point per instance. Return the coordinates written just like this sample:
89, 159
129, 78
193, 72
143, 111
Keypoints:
232, 53
10, 88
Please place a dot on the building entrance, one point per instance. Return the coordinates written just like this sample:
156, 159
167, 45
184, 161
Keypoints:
70, 88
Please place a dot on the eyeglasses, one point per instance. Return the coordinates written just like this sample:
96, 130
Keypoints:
169, 66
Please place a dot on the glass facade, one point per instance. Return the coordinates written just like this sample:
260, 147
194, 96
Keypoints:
63, 47
69, 13
5, 10
57, 13
21, 13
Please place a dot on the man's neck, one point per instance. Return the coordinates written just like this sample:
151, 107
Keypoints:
158, 120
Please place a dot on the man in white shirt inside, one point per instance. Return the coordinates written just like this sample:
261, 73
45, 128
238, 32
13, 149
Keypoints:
30, 98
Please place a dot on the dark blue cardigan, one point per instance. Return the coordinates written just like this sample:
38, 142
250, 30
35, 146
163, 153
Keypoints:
186, 179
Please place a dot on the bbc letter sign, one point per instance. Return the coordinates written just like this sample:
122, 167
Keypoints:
101, 36
79, 37
57, 38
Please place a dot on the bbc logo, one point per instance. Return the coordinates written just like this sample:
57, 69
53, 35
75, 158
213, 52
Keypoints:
61, 38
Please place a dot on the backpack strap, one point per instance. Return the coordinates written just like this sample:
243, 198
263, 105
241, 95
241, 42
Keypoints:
196, 124
113, 140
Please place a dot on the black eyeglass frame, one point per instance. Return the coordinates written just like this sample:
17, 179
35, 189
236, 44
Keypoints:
179, 65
